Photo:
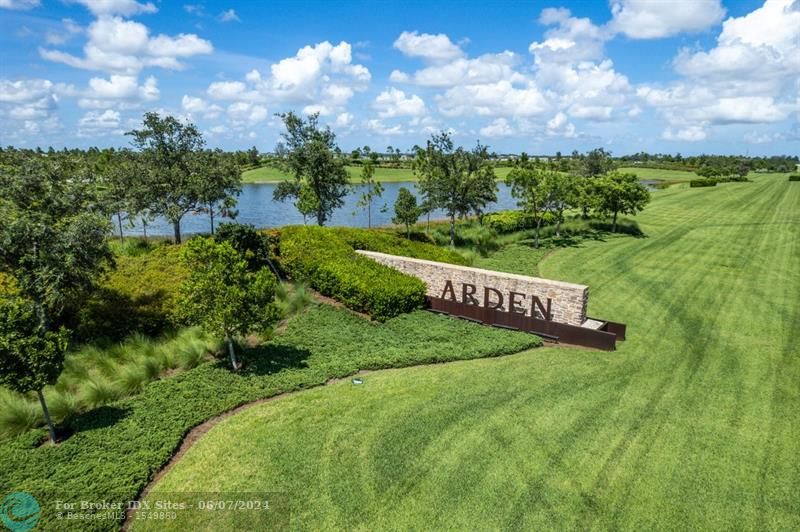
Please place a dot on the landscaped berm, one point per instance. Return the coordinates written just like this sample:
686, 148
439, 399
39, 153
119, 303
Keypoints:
692, 423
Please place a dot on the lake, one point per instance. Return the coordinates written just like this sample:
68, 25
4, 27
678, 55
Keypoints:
257, 207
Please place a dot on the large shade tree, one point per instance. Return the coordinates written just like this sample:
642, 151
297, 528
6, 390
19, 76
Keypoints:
309, 153
177, 175
455, 180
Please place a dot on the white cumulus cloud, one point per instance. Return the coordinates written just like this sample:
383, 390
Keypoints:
393, 102
434, 48
126, 47
653, 19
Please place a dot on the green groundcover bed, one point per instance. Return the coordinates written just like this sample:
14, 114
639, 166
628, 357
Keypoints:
116, 448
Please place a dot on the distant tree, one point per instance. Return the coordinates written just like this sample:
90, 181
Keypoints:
218, 183
253, 157
709, 171
406, 210
31, 357
596, 162
426, 208
223, 296
168, 166
619, 193
455, 180
308, 154
563, 195
532, 186
117, 186
374, 188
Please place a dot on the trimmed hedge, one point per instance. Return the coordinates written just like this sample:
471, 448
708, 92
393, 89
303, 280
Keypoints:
511, 221
794, 177
116, 448
713, 181
698, 183
389, 242
322, 258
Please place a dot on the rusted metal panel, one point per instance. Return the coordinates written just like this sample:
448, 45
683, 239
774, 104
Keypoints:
604, 338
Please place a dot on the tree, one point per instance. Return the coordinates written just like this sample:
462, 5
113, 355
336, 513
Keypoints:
455, 180
169, 166
30, 356
406, 210
52, 232
532, 186
374, 188
596, 162
563, 195
309, 155
619, 193
218, 183
222, 295
116, 178
253, 158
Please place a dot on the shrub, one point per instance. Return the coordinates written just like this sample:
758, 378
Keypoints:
139, 295
698, 183
323, 259
511, 221
389, 242
794, 177
251, 244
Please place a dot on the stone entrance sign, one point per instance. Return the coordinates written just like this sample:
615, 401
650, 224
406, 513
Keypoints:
506, 292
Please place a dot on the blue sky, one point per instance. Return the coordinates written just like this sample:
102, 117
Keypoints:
687, 76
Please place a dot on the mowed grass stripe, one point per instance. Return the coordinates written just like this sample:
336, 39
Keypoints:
692, 423
711, 311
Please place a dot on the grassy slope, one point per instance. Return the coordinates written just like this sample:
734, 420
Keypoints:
267, 174
692, 423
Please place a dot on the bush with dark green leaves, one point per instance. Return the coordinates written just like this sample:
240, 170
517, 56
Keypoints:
117, 448
699, 183
252, 245
323, 259
504, 222
140, 294
385, 241
794, 177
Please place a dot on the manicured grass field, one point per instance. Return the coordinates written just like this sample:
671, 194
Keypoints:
692, 424
659, 175
267, 174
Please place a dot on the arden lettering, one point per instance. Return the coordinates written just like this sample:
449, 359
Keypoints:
493, 299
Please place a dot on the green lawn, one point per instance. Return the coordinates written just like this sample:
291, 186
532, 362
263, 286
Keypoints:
692, 424
267, 174
660, 175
